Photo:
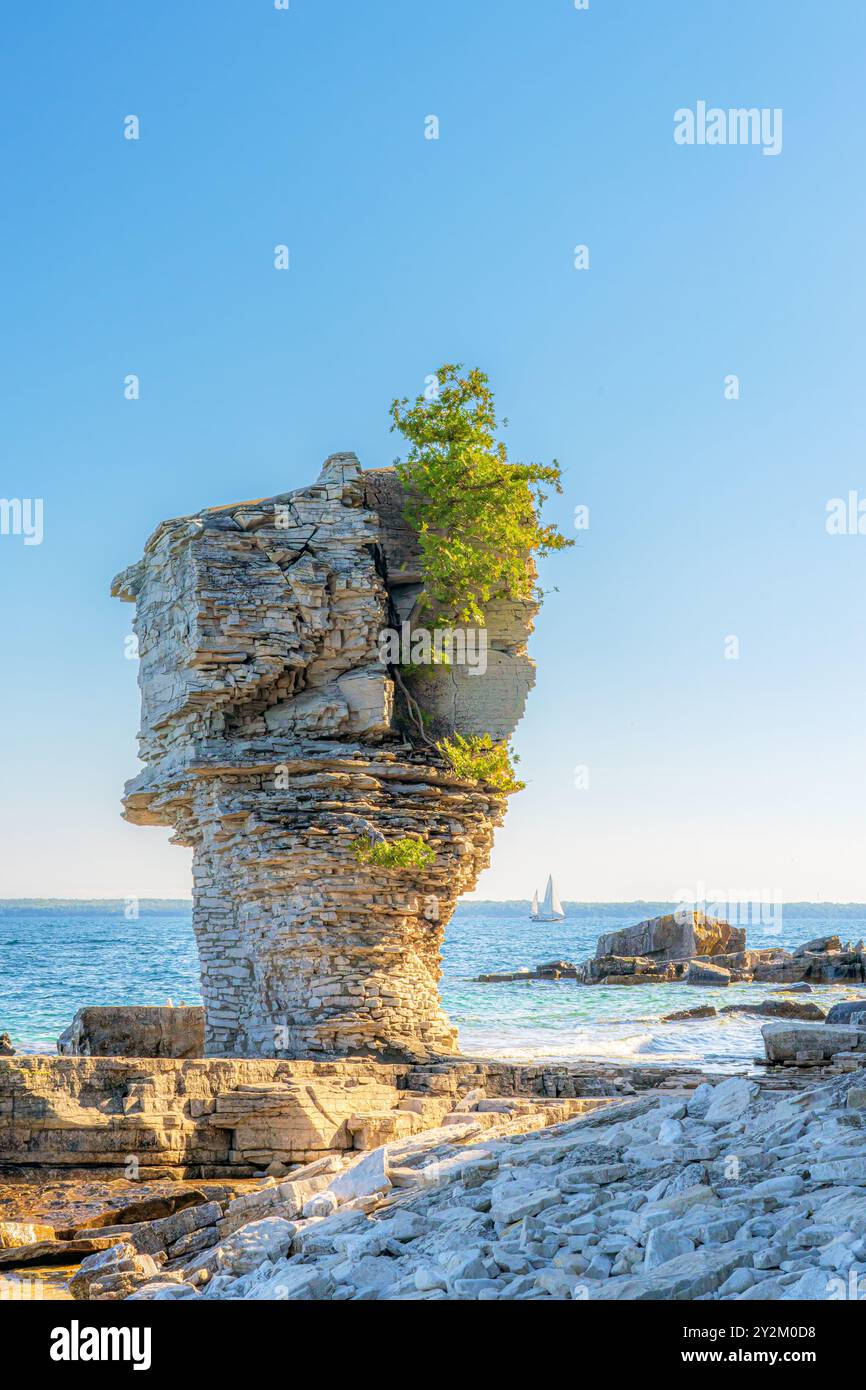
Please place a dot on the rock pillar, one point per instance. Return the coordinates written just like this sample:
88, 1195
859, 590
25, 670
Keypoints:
272, 740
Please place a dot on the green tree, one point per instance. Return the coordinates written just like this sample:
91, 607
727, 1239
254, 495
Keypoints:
479, 759
477, 516
410, 852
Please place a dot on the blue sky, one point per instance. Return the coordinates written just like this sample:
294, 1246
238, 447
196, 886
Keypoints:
707, 516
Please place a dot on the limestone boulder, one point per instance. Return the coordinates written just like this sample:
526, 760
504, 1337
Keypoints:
365, 1178
829, 966
135, 1030
785, 1042
676, 936
247, 1248
729, 1100
852, 1012
112, 1273
705, 973
820, 943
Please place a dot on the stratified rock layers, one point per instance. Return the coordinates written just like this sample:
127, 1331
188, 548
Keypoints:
270, 743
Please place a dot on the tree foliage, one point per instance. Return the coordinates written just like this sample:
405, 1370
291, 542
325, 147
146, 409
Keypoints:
476, 514
408, 853
479, 759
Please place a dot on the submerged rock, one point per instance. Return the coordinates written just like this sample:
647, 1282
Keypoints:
779, 1008
550, 970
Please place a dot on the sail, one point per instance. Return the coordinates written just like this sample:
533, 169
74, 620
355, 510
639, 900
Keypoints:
552, 907
555, 905
534, 909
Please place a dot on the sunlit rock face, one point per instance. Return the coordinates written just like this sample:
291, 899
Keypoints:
273, 737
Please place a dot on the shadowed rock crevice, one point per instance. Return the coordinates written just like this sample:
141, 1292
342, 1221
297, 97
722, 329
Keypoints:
272, 738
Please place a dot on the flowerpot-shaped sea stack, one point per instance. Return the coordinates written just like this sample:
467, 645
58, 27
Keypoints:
274, 736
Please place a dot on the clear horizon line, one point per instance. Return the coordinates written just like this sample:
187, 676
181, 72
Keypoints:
580, 902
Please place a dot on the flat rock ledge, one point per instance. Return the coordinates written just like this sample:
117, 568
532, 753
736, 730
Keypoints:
228, 1118
733, 1191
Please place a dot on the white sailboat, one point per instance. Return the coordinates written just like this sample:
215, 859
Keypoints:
551, 908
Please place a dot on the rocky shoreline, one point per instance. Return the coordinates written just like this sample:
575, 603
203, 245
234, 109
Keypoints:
730, 1191
486, 1181
691, 948
142, 1170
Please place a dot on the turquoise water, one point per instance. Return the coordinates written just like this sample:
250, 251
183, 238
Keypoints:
54, 960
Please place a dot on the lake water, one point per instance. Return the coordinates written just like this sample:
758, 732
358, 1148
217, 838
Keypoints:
53, 960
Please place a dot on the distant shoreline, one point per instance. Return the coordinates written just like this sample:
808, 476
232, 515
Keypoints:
641, 907
93, 905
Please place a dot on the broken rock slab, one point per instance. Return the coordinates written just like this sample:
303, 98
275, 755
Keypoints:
16, 1233
632, 970
729, 1100
364, 1178
112, 1273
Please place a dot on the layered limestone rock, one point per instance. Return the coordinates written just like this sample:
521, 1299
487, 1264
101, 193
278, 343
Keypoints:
678, 936
231, 1117
205, 1117
273, 739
